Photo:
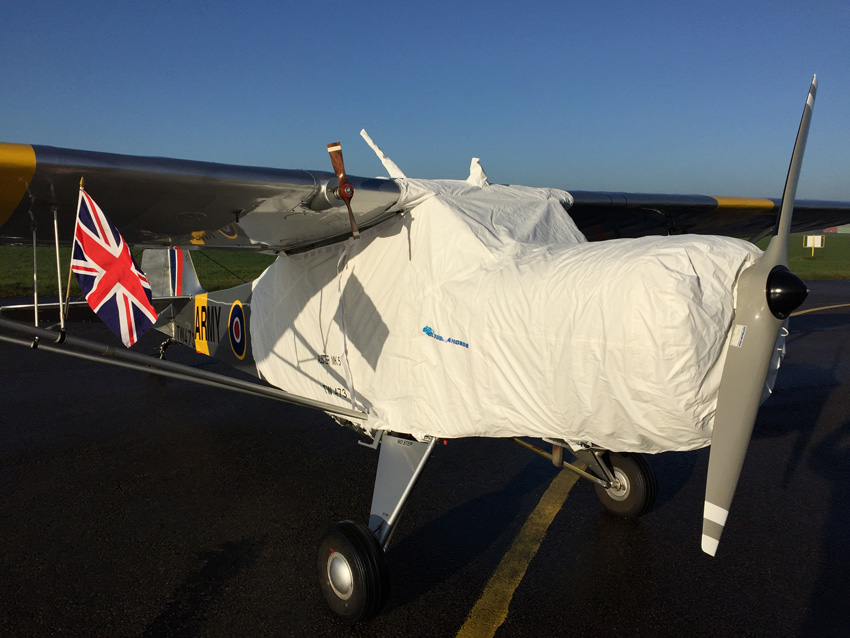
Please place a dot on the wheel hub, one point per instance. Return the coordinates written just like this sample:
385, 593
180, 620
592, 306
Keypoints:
619, 490
340, 575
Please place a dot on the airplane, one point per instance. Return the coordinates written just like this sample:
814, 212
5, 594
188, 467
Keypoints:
607, 324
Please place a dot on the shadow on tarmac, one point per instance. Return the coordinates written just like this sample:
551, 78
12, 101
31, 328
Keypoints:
186, 612
831, 459
441, 548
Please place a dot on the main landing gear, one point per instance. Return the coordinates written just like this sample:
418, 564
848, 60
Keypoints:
352, 571
351, 566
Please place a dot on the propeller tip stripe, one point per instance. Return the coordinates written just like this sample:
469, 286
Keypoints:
334, 147
715, 514
709, 545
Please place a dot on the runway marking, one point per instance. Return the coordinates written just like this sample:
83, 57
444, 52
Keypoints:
491, 610
805, 312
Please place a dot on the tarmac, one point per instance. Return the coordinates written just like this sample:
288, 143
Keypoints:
136, 506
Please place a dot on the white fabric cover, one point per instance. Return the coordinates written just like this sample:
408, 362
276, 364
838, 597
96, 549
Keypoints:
483, 311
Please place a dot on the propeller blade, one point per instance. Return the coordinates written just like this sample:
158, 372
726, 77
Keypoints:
345, 191
767, 293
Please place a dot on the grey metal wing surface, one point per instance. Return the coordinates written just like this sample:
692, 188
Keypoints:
157, 202
610, 215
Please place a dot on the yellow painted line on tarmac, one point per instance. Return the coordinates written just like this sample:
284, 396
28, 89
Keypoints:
805, 312
491, 610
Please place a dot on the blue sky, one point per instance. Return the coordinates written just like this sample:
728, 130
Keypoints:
672, 97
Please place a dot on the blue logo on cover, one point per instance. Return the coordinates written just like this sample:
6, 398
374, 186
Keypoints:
428, 330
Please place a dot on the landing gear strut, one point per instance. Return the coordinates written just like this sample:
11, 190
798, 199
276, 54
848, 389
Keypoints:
351, 566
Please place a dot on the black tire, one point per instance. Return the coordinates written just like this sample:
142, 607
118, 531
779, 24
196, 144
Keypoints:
352, 571
638, 486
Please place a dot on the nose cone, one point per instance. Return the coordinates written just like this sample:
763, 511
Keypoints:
785, 292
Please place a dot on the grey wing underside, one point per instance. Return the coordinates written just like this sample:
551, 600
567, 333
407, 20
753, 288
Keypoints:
157, 202
609, 215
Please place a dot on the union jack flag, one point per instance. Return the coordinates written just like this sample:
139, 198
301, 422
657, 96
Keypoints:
114, 285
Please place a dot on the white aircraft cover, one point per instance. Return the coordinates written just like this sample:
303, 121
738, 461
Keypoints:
483, 311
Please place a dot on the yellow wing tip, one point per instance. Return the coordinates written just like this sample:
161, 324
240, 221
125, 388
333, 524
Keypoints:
744, 203
17, 166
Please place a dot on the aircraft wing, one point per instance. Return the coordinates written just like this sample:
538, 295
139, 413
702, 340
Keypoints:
608, 215
157, 202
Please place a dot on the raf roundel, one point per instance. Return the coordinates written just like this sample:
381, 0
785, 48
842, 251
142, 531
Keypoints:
236, 328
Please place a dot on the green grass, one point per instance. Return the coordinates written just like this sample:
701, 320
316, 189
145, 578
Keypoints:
219, 269
216, 269
830, 262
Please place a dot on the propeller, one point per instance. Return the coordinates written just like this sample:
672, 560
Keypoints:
767, 294
345, 191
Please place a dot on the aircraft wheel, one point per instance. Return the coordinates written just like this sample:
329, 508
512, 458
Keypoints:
637, 488
352, 571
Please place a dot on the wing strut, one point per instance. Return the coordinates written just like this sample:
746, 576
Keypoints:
80, 348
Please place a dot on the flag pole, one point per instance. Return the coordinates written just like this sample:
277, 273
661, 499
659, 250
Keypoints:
58, 269
34, 271
71, 263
